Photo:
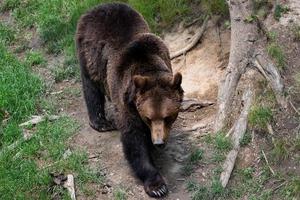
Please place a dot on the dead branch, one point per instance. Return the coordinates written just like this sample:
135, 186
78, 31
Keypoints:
193, 104
238, 133
38, 119
69, 184
294, 108
267, 162
194, 41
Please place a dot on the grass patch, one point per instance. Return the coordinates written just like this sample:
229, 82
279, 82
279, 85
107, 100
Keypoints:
275, 51
260, 116
296, 32
280, 150
192, 161
279, 10
218, 7
219, 141
25, 169
246, 139
120, 194
203, 192
33, 58
222, 143
7, 34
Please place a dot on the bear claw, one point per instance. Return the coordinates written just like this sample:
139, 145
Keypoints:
156, 190
103, 126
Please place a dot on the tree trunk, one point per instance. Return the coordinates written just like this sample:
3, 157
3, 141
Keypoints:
246, 51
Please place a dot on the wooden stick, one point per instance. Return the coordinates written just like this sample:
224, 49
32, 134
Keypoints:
194, 41
240, 128
38, 119
69, 184
267, 162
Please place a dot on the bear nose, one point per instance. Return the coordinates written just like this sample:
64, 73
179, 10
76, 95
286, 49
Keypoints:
159, 143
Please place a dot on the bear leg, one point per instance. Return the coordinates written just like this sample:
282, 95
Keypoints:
137, 153
95, 101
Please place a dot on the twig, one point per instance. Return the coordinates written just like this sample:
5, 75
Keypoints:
57, 92
193, 22
279, 186
69, 184
37, 119
194, 41
230, 131
295, 109
267, 162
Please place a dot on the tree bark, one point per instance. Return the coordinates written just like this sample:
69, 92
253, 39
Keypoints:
243, 36
246, 51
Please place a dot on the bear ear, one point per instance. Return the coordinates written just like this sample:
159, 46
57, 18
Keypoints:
140, 82
177, 80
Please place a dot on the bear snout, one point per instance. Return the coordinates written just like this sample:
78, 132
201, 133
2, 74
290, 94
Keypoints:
159, 143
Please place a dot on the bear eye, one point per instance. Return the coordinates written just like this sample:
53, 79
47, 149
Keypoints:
169, 119
147, 120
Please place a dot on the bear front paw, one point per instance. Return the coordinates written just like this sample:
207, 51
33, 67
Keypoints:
156, 187
102, 126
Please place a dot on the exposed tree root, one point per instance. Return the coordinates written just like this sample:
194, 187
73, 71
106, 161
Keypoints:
193, 104
238, 133
270, 72
194, 41
246, 51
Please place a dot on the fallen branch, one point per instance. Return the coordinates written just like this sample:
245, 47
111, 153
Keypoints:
38, 119
294, 108
188, 104
194, 41
267, 162
69, 184
238, 133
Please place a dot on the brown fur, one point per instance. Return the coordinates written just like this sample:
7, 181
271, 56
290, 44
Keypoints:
122, 60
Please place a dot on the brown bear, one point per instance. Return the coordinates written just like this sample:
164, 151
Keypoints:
122, 62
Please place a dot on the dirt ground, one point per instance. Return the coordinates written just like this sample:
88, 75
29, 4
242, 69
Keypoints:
201, 69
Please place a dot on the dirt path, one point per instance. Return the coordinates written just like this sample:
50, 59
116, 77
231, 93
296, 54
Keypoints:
200, 77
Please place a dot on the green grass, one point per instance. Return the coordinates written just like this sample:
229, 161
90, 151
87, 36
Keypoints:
56, 20
7, 34
193, 160
218, 7
120, 194
19, 87
279, 10
280, 149
25, 169
219, 141
275, 50
246, 139
68, 70
260, 116
33, 58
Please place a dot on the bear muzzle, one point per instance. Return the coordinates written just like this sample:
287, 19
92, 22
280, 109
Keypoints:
159, 134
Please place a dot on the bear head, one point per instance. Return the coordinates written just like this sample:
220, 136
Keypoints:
158, 101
